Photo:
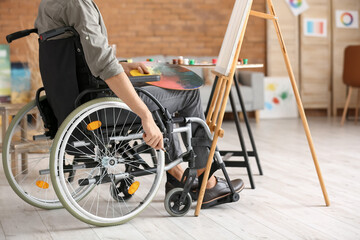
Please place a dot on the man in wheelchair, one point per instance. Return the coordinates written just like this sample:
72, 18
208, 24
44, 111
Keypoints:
85, 18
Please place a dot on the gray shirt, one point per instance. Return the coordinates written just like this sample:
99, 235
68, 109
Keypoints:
86, 18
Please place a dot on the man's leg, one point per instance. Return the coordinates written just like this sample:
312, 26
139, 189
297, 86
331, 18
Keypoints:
188, 104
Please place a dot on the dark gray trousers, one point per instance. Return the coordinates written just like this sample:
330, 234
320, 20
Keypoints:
186, 103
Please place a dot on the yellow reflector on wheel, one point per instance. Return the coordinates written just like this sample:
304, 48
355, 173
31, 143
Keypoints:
133, 187
93, 125
42, 184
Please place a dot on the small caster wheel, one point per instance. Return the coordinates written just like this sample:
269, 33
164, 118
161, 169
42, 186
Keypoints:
235, 197
119, 190
172, 204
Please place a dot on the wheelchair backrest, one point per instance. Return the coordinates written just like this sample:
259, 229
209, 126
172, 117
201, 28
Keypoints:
64, 71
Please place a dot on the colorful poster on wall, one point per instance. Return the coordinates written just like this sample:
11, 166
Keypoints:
5, 77
279, 99
315, 27
297, 7
20, 82
347, 19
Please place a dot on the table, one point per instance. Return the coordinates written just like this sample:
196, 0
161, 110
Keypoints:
21, 147
239, 66
6, 110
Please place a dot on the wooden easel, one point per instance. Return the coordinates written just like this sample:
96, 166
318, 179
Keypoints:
216, 112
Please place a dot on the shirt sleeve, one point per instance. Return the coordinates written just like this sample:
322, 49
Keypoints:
84, 17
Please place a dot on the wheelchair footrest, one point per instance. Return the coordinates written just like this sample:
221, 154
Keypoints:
232, 197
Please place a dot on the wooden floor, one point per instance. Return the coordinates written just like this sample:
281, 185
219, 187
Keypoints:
286, 204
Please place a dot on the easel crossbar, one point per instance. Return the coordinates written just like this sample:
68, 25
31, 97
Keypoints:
262, 15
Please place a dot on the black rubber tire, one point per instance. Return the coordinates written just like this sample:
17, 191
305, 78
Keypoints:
235, 197
171, 200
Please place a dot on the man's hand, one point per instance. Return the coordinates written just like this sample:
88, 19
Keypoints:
152, 134
132, 66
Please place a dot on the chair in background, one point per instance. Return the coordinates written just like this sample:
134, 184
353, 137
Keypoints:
351, 77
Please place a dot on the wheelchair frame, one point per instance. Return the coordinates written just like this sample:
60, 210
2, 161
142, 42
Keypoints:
177, 202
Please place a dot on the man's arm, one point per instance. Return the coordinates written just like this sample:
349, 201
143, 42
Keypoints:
122, 87
83, 16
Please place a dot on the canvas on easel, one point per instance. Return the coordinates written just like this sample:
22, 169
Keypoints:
237, 22
224, 72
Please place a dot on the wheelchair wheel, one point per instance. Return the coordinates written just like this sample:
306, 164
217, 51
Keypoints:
116, 176
173, 205
26, 161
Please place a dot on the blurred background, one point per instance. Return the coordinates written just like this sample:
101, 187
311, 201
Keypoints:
197, 27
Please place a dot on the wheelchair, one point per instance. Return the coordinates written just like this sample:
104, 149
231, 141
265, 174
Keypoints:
90, 156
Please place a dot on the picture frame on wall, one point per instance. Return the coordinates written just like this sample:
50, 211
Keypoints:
347, 19
315, 27
280, 101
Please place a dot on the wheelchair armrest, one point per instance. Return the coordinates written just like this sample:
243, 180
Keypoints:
89, 91
144, 79
179, 120
56, 32
20, 34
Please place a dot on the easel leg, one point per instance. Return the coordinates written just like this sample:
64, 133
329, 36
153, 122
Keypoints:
206, 174
241, 139
253, 145
211, 95
217, 133
299, 103
219, 116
